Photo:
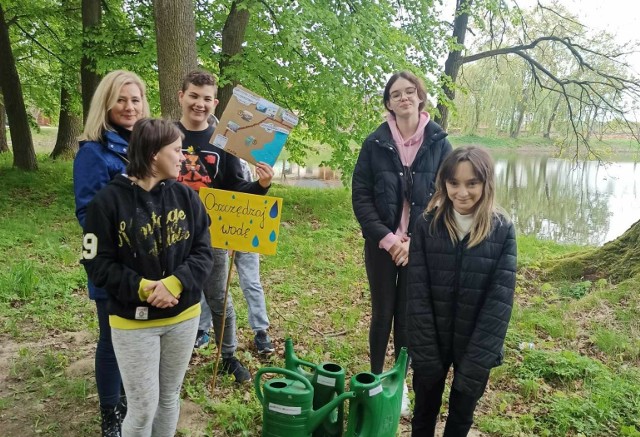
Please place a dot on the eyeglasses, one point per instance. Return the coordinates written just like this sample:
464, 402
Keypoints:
396, 96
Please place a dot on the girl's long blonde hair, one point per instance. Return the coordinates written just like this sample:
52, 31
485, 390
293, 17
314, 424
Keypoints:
105, 98
486, 208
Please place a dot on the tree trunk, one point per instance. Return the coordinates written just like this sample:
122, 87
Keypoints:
453, 63
91, 14
554, 114
4, 144
616, 261
516, 124
476, 118
176, 45
69, 127
24, 155
591, 123
232, 38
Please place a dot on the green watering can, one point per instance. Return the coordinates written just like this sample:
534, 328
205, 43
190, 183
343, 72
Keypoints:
327, 380
375, 411
287, 404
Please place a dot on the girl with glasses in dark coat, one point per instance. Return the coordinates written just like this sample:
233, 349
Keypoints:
392, 183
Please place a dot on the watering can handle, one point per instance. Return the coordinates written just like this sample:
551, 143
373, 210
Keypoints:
288, 373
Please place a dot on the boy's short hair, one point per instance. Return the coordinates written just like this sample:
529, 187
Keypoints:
199, 78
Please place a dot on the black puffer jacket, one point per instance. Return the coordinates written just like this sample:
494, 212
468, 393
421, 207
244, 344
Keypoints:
378, 180
459, 302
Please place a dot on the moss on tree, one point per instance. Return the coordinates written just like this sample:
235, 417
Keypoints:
617, 260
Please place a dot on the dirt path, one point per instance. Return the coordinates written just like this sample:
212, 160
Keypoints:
47, 389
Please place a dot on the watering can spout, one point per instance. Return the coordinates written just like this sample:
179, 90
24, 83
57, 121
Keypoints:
289, 354
320, 414
375, 412
394, 377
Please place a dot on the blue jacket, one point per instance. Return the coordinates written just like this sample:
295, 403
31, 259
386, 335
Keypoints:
95, 165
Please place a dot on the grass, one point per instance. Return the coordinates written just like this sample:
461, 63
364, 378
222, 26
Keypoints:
579, 376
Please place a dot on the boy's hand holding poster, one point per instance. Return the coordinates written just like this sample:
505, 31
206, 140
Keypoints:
241, 221
253, 128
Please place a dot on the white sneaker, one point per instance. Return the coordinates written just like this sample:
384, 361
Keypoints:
405, 408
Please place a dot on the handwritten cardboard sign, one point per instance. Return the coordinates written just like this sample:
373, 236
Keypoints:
253, 128
241, 221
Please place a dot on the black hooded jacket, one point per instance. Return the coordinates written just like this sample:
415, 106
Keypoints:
459, 302
131, 234
379, 180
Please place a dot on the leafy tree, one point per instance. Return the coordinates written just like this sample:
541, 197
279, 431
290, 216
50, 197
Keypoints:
591, 73
24, 156
326, 60
49, 51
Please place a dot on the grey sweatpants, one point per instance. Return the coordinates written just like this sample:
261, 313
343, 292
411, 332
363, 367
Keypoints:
153, 362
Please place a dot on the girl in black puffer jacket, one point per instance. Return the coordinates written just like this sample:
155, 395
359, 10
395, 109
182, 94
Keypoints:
461, 280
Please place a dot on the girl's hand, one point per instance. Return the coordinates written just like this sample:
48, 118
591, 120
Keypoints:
400, 253
161, 297
265, 173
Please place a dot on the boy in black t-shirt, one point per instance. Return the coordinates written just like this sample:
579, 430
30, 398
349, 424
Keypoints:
210, 166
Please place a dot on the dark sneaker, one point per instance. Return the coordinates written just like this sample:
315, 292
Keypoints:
202, 340
121, 408
231, 366
110, 425
263, 343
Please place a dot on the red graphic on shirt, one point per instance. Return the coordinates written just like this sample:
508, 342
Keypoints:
193, 174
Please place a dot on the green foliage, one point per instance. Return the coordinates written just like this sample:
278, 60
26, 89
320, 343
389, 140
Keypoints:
45, 38
328, 61
557, 367
575, 290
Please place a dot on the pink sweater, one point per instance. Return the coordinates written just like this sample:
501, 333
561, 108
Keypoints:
407, 149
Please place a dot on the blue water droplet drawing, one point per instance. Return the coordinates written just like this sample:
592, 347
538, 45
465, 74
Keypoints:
274, 210
233, 196
255, 242
272, 236
219, 217
251, 221
226, 243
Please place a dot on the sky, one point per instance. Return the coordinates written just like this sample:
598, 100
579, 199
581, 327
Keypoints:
619, 17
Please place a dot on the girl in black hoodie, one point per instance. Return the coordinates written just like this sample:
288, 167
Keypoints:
147, 242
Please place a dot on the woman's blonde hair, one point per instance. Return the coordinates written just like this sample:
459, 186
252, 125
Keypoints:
105, 98
486, 208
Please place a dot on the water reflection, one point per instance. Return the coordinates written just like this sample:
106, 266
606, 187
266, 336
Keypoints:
584, 203
309, 177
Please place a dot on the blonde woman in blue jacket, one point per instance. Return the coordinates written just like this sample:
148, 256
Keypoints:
118, 102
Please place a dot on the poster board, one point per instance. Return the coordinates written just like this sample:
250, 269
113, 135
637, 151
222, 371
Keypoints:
253, 128
241, 221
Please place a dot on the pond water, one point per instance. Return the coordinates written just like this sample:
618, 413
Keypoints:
579, 203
